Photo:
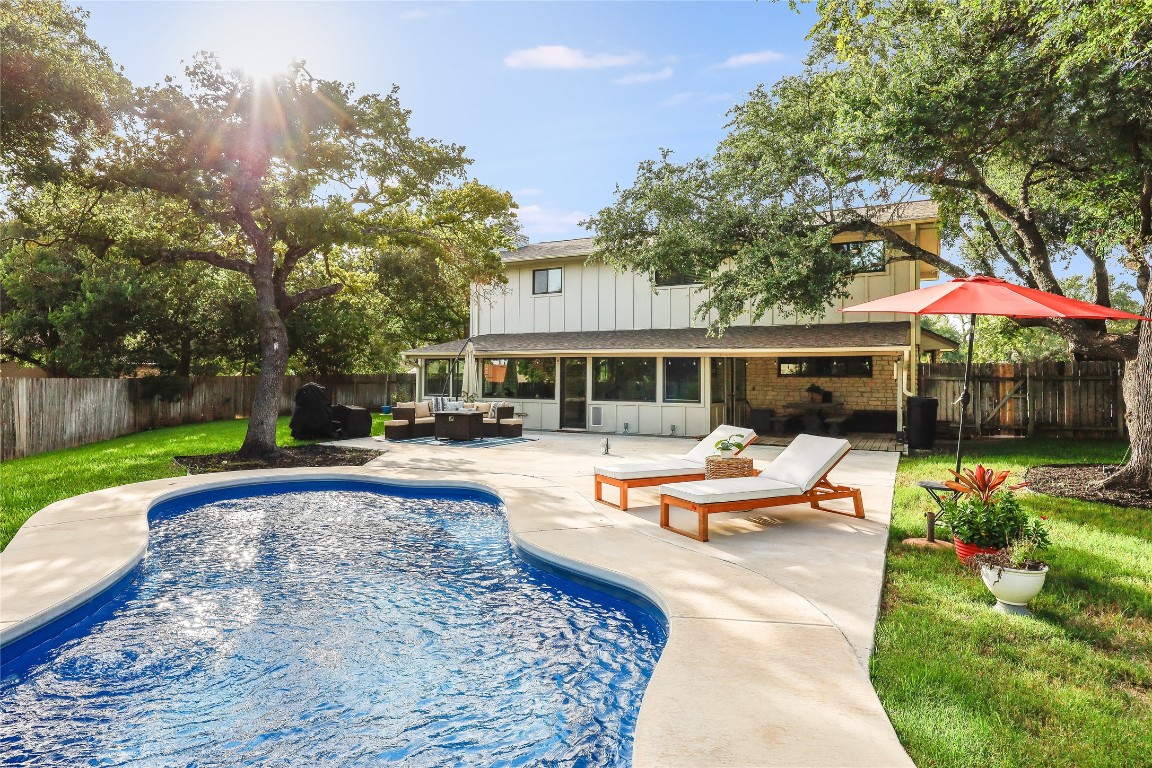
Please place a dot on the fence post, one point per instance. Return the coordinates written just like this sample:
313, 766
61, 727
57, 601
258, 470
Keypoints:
1029, 421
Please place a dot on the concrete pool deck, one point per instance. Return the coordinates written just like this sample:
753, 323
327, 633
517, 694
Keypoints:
770, 623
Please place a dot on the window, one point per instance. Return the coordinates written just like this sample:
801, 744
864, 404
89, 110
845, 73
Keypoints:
547, 280
681, 379
436, 377
867, 256
524, 378
676, 277
826, 366
624, 378
716, 367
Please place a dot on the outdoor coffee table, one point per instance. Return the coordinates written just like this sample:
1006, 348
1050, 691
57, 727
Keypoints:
459, 425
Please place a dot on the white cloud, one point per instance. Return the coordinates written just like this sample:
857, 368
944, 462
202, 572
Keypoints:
752, 59
563, 57
539, 220
645, 77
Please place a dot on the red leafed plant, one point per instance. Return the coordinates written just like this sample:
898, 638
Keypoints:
981, 482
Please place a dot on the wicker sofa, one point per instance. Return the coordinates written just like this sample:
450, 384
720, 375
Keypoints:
416, 419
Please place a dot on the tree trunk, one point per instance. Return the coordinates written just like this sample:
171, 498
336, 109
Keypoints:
261, 437
1137, 473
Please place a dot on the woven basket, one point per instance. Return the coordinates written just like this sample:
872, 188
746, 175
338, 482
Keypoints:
717, 467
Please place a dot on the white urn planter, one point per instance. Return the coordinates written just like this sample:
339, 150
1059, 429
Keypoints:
727, 453
1013, 587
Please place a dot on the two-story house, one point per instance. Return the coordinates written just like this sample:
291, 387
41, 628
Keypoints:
580, 346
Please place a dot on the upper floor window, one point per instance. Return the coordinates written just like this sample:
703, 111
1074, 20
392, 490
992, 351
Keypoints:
547, 280
663, 279
825, 366
866, 255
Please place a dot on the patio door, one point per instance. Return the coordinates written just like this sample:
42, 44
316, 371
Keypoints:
573, 393
737, 410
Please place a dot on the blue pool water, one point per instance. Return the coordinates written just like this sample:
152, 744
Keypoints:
335, 625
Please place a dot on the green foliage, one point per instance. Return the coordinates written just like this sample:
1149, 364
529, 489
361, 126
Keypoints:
729, 444
994, 524
61, 90
293, 184
1033, 141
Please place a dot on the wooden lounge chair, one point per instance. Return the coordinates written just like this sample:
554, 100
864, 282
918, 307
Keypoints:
690, 466
798, 475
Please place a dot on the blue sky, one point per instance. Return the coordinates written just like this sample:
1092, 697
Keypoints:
555, 102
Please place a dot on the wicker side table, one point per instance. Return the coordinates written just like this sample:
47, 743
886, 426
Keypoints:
718, 467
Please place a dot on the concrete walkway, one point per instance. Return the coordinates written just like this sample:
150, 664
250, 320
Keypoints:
770, 623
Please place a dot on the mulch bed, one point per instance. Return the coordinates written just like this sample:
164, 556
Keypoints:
1078, 481
296, 456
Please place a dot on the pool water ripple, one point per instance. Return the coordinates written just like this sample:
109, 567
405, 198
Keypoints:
336, 627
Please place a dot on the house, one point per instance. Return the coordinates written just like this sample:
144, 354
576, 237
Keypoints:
575, 345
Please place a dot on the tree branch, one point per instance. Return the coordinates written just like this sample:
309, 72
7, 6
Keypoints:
168, 255
1001, 249
311, 294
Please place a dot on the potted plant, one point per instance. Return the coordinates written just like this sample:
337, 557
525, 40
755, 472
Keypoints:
728, 446
815, 393
984, 515
1015, 574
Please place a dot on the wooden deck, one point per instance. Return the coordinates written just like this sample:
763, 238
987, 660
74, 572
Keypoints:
861, 441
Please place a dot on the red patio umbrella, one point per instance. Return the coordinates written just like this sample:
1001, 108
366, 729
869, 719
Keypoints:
980, 295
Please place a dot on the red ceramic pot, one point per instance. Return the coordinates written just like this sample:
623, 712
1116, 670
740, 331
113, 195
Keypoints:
967, 551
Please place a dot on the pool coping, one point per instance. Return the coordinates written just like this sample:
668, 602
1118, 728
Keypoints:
752, 674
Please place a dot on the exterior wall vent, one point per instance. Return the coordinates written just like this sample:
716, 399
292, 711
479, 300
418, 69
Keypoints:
597, 415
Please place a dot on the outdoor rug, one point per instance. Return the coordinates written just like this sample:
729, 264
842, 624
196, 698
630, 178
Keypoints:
488, 442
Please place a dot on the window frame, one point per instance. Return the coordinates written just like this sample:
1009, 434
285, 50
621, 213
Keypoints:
547, 281
455, 375
822, 374
597, 392
513, 363
682, 280
699, 382
881, 269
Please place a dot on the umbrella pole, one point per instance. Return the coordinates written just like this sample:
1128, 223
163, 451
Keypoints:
965, 395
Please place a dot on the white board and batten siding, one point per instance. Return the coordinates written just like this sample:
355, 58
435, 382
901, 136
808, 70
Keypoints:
597, 298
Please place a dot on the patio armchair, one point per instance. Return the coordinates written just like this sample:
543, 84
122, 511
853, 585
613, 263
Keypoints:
409, 420
642, 474
799, 475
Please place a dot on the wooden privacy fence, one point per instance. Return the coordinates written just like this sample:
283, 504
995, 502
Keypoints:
38, 415
1056, 399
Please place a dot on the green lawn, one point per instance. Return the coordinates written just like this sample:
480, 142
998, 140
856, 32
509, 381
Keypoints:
33, 482
967, 686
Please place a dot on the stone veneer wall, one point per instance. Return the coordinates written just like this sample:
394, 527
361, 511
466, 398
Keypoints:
767, 390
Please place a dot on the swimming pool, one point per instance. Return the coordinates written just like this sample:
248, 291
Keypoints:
330, 623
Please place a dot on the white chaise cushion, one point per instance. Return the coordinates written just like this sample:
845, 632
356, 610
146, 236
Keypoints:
634, 470
806, 459
707, 446
729, 489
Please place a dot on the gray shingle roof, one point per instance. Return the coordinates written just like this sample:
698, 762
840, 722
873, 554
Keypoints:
776, 337
555, 249
914, 210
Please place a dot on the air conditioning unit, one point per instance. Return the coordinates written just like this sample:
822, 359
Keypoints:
597, 415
